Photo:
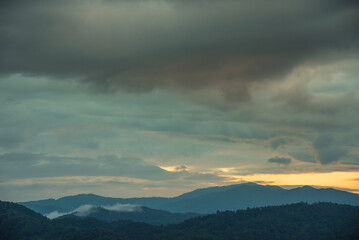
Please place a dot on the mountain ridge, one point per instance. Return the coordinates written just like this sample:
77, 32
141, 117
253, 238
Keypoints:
207, 200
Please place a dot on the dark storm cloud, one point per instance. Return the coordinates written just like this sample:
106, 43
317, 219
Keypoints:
328, 149
141, 45
280, 160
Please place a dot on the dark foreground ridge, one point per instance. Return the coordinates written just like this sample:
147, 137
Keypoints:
206, 200
296, 221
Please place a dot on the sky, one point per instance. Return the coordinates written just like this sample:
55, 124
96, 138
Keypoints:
156, 97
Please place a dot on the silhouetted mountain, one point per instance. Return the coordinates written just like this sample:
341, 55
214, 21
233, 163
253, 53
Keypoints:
67, 204
299, 221
139, 214
70, 203
242, 196
207, 200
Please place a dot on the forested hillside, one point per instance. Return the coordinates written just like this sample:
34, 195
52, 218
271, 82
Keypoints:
295, 221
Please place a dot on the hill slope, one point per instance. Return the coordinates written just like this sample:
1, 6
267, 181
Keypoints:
17, 221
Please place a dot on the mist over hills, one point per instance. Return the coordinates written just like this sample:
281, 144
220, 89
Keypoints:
206, 200
298, 221
125, 212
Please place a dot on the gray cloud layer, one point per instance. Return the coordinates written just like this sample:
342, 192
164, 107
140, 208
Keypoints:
41, 165
280, 160
297, 61
141, 45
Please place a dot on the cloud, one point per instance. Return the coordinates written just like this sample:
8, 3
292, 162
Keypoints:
81, 211
207, 177
85, 210
280, 160
181, 168
54, 214
18, 164
142, 45
303, 155
10, 139
277, 142
20, 157
328, 149
220, 139
52, 128
123, 207
298, 97
90, 145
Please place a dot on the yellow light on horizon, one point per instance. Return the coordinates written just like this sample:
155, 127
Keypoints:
341, 180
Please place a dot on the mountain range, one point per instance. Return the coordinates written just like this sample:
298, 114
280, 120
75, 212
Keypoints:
205, 200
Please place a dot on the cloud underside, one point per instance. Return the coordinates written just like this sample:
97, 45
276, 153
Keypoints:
142, 45
170, 96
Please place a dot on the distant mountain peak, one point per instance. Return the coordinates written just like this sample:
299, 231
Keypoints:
249, 184
82, 195
308, 187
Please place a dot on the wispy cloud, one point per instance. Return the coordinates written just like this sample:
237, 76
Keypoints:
85, 210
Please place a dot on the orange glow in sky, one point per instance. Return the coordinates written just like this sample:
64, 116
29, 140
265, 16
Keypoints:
342, 180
